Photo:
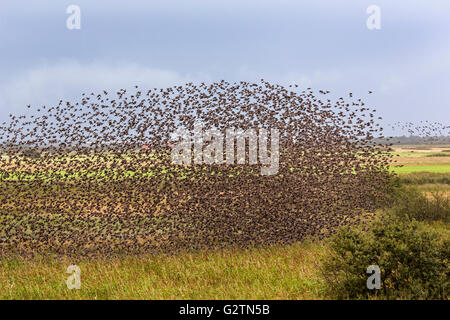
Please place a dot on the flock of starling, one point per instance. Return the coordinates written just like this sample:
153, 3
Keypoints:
95, 177
429, 132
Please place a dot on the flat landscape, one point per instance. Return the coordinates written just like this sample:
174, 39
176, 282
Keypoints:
292, 271
255, 153
435, 159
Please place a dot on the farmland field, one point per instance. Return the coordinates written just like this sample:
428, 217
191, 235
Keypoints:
422, 159
269, 272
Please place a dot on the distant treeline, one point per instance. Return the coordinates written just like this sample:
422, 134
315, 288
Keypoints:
414, 140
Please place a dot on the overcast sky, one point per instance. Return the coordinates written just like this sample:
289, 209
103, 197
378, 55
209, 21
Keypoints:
322, 44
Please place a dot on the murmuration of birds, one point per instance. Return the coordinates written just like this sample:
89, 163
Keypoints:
95, 176
424, 131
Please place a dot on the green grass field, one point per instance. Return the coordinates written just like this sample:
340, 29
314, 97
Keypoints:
289, 272
444, 168
423, 159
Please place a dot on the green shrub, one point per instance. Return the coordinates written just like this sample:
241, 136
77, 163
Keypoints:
424, 178
414, 263
411, 203
444, 154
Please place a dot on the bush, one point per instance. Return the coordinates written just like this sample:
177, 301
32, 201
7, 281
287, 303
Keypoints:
410, 203
424, 178
414, 263
437, 155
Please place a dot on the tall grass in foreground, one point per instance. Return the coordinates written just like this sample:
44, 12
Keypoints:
281, 272
406, 251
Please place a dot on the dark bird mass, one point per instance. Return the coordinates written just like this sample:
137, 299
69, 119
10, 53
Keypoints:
95, 176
